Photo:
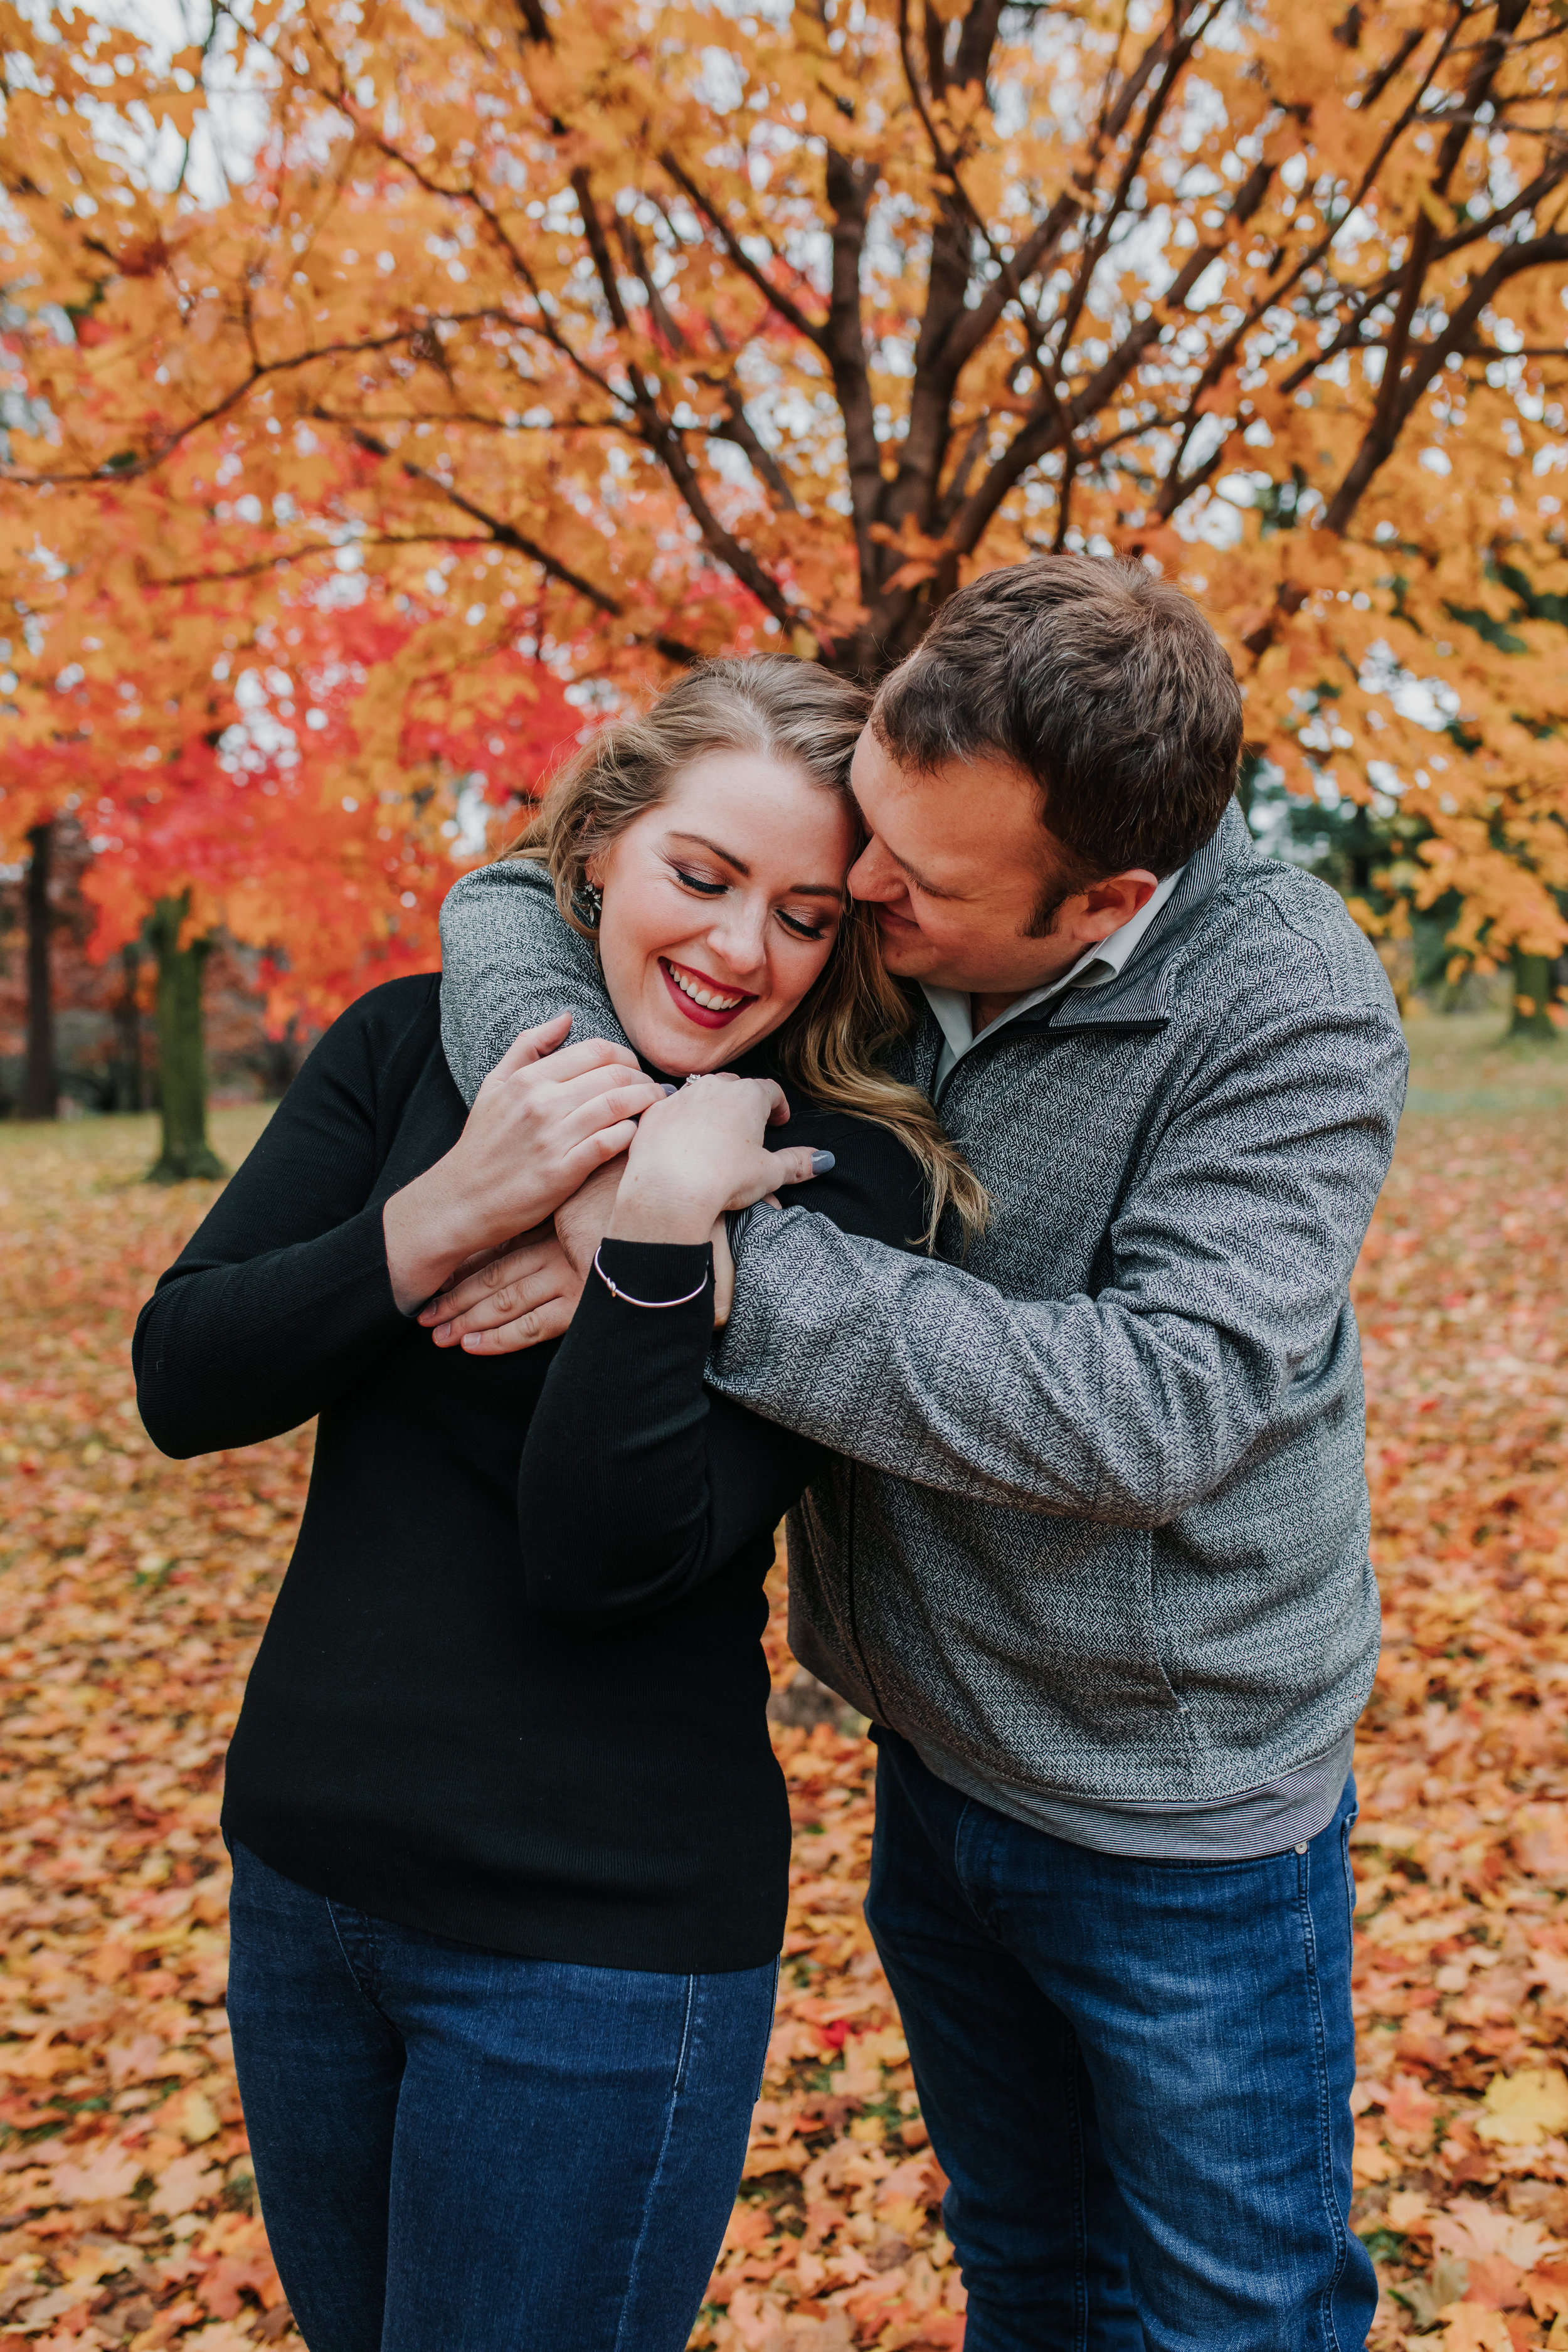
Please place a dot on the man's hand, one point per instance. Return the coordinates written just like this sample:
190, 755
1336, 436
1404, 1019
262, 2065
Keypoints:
581, 1222
548, 1116
527, 1293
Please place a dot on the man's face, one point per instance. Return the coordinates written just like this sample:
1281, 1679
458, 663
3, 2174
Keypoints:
956, 865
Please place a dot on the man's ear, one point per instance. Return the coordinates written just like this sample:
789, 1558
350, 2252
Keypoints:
1108, 904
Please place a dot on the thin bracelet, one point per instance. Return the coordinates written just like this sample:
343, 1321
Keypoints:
626, 1295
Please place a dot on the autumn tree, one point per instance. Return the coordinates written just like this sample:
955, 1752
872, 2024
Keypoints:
233, 772
673, 326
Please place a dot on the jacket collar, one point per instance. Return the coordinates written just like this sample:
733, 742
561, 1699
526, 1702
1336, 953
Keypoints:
1139, 995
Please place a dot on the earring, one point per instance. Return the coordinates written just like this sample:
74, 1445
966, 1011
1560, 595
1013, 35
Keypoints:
588, 904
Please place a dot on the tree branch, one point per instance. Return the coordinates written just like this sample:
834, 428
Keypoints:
792, 315
664, 442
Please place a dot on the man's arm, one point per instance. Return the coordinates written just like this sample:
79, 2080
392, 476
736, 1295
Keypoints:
508, 963
1232, 1256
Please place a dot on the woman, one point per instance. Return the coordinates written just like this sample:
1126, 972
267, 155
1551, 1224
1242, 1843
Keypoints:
509, 1871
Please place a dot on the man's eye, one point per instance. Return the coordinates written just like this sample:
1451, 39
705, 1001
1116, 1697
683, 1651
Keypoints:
695, 882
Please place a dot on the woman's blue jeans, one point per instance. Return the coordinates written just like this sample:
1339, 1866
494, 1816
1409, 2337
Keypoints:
462, 2151
1137, 2074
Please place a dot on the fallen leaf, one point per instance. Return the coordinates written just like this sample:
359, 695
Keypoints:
1523, 2109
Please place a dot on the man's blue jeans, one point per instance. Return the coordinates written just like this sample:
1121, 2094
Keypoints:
1136, 2075
462, 2151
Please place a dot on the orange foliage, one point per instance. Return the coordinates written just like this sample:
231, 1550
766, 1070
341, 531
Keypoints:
134, 1594
610, 335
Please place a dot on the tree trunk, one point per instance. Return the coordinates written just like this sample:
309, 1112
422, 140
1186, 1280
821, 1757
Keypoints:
1533, 993
40, 1086
182, 1054
128, 1090
282, 1056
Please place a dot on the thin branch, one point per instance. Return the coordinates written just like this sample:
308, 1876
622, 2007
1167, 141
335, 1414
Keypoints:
664, 442
790, 312
1379, 442
505, 534
289, 556
738, 428
218, 409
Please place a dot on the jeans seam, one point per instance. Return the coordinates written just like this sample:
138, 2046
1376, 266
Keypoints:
688, 2025
968, 1820
686, 2031
368, 1997
1081, 2184
1325, 2150
772, 2005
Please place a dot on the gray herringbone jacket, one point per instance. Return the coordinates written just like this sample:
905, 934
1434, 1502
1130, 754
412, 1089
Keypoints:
1099, 1524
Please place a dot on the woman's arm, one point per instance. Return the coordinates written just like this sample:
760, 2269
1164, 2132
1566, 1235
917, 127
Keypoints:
281, 1297
635, 1483
365, 1185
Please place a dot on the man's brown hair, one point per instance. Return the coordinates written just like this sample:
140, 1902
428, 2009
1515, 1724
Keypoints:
1100, 683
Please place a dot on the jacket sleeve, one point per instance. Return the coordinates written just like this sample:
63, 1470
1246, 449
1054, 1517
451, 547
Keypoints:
281, 1298
509, 962
1230, 1258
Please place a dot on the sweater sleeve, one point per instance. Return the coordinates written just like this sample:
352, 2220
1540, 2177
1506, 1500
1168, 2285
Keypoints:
509, 962
636, 1481
1233, 1251
635, 1484
281, 1298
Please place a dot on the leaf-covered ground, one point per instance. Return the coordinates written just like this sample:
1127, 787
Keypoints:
131, 1593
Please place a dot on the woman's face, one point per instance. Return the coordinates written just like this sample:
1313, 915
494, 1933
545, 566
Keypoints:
721, 905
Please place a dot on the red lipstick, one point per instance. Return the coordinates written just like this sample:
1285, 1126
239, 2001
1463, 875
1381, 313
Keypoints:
705, 1017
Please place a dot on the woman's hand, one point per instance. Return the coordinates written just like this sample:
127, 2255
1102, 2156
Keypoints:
547, 1117
700, 1153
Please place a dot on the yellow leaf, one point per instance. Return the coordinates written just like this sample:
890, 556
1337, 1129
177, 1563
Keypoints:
1371, 2162
1440, 215
1522, 2109
198, 2120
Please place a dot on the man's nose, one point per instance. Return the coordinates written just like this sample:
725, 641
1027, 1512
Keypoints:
874, 877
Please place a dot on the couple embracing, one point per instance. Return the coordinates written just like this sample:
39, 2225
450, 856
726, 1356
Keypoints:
929, 1116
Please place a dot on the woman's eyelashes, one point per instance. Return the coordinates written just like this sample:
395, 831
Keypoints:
796, 924
699, 883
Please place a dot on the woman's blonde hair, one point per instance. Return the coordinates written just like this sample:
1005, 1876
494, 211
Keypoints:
771, 706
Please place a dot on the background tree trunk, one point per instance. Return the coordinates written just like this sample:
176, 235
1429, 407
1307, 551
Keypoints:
39, 1086
1533, 993
129, 1078
182, 1052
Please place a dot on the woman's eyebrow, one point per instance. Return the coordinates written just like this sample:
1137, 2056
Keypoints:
796, 890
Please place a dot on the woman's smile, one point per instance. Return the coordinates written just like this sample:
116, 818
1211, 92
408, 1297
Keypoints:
700, 998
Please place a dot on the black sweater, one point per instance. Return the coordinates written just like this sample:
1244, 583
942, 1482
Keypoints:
513, 1698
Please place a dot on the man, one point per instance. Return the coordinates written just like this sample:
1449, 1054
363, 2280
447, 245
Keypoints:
1094, 1556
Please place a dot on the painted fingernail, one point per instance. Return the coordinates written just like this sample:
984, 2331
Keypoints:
670, 1090
821, 1161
